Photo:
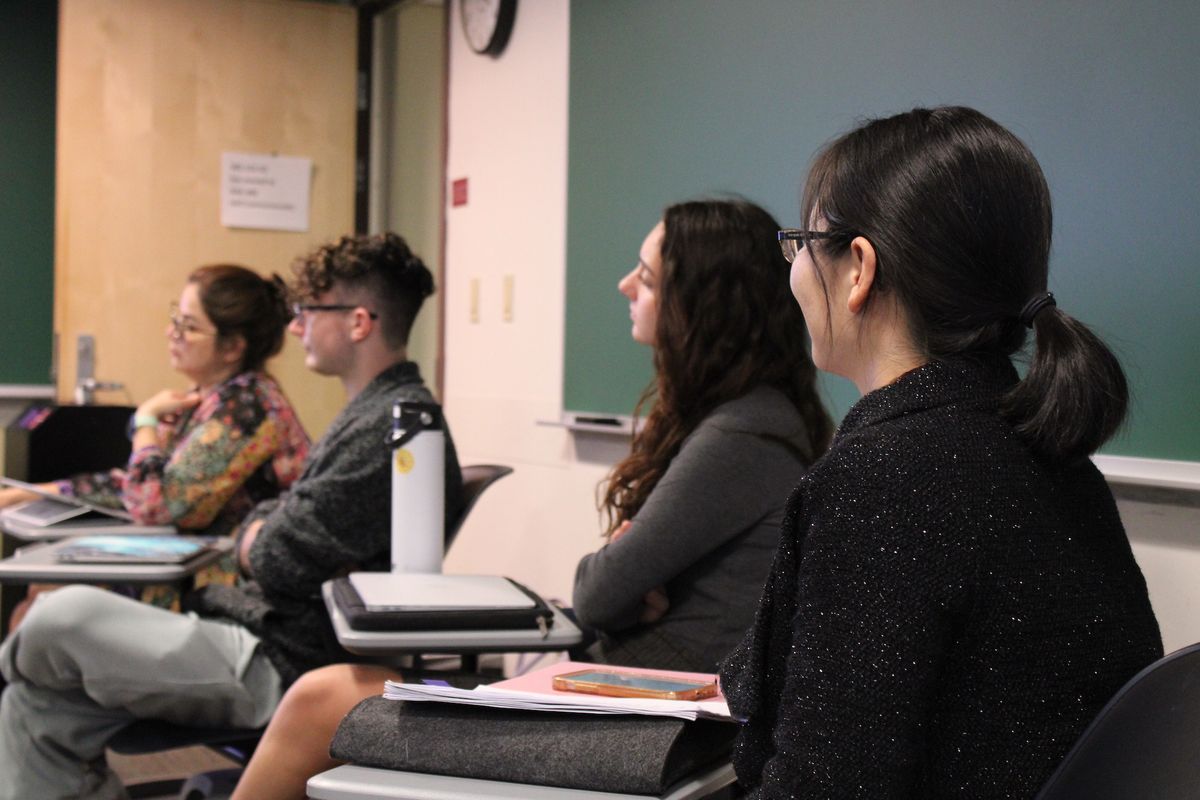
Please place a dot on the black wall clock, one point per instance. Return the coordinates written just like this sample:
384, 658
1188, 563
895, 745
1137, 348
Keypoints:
487, 24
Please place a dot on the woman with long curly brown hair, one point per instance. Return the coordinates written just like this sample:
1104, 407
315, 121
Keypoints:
695, 508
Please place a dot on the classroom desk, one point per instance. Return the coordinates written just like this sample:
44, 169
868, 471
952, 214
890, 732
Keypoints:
350, 782
14, 534
98, 524
563, 634
37, 563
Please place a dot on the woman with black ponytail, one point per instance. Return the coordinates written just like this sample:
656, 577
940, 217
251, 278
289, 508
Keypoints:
954, 597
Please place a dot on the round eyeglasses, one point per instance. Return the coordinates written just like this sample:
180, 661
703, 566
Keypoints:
183, 326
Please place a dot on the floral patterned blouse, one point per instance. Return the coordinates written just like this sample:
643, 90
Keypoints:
212, 464
243, 443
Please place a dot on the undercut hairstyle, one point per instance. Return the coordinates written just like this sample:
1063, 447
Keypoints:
240, 302
958, 212
379, 271
727, 323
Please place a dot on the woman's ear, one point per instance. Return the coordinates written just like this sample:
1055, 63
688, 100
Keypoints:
232, 348
862, 274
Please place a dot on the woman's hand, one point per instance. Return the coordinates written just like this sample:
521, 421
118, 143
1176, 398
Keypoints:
655, 606
167, 402
244, 545
12, 496
621, 530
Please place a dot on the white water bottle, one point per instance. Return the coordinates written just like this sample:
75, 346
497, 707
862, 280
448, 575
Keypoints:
418, 444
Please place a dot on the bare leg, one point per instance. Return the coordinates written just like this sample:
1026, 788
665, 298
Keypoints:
295, 745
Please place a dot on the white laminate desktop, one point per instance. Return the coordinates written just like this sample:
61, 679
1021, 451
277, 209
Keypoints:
80, 526
350, 782
38, 563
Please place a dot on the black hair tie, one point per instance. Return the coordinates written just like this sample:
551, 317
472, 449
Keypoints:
1033, 307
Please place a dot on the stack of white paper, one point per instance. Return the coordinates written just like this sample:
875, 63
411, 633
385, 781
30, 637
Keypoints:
533, 692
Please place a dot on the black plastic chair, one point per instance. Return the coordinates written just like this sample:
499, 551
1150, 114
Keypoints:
475, 478
152, 736
1144, 744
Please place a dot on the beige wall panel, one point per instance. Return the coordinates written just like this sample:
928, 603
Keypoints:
416, 127
150, 94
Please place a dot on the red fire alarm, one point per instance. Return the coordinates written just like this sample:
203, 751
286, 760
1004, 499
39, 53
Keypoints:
458, 192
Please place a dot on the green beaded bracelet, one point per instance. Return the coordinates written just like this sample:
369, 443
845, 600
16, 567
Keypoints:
144, 421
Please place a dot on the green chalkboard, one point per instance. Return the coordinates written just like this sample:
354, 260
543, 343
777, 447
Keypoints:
28, 46
678, 98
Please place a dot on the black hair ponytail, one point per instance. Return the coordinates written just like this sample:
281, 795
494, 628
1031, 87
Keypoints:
959, 212
1074, 397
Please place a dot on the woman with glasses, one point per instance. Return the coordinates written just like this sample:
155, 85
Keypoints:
954, 597
694, 510
203, 457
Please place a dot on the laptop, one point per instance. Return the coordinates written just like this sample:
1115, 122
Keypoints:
51, 508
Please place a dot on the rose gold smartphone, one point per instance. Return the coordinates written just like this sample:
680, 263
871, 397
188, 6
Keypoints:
612, 683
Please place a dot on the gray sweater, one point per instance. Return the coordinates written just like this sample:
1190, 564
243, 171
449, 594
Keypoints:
335, 519
706, 534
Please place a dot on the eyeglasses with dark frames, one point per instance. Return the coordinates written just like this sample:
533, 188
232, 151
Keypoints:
182, 326
300, 309
792, 240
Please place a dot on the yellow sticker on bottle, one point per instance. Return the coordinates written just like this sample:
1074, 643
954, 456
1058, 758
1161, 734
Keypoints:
404, 461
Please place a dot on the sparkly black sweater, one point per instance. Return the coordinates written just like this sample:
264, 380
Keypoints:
945, 613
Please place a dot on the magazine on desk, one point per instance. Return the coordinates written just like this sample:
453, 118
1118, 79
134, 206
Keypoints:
51, 508
535, 692
131, 549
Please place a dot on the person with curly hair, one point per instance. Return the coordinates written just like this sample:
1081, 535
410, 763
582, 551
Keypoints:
87, 662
